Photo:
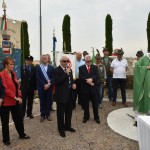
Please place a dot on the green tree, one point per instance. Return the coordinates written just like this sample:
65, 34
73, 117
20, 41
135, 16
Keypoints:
66, 34
24, 41
108, 34
148, 31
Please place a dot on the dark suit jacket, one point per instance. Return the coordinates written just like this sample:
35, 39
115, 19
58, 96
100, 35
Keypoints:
41, 80
62, 90
28, 79
83, 75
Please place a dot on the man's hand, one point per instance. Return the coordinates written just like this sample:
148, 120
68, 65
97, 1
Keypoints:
68, 70
92, 84
46, 86
74, 86
1, 101
148, 67
89, 81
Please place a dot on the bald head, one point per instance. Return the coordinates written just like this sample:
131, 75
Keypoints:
78, 56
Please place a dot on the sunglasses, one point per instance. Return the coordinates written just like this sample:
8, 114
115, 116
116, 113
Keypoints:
89, 61
65, 61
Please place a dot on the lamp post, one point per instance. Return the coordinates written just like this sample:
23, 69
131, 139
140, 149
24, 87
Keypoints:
40, 31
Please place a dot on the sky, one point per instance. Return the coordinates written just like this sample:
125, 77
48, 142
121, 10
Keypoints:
87, 23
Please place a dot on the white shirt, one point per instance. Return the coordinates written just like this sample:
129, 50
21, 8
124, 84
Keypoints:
78, 64
45, 67
119, 68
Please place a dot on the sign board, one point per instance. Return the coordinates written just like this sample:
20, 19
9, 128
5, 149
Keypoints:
7, 47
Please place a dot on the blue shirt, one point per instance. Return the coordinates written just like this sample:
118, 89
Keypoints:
78, 64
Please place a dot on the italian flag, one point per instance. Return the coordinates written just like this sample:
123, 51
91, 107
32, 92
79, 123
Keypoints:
3, 24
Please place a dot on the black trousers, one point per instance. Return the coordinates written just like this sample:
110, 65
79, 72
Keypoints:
86, 97
17, 118
27, 100
64, 115
122, 83
77, 93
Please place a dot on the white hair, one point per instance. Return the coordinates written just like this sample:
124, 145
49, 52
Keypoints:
88, 57
62, 57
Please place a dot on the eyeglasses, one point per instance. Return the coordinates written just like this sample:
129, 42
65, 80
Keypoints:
65, 61
89, 61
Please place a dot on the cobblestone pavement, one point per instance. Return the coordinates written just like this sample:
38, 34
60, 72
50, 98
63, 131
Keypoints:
88, 136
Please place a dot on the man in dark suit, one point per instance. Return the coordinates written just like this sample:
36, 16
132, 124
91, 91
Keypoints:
28, 85
63, 96
44, 73
88, 74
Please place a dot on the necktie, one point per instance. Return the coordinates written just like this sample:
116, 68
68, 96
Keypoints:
29, 69
88, 69
69, 84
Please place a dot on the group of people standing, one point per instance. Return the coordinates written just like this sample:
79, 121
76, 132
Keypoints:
58, 84
111, 73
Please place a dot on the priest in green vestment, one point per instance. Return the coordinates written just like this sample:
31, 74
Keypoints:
141, 87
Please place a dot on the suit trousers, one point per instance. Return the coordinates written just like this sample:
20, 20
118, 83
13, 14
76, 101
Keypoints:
27, 100
17, 118
86, 97
64, 114
45, 102
109, 86
77, 93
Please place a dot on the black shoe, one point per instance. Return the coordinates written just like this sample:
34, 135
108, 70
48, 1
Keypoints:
62, 134
97, 121
30, 116
51, 109
49, 118
135, 124
7, 143
70, 129
85, 120
25, 137
41, 119
110, 99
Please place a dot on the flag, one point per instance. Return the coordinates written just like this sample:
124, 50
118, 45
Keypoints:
4, 23
93, 57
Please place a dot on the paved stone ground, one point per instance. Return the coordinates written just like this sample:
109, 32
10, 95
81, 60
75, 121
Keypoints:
89, 136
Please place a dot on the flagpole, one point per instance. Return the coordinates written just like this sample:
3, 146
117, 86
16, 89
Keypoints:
54, 48
40, 31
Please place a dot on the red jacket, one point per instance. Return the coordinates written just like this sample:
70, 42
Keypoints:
10, 89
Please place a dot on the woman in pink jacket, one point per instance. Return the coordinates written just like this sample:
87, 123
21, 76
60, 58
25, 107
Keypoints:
11, 102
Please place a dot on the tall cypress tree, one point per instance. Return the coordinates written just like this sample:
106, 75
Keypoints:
148, 31
66, 34
24, 41
108, 34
